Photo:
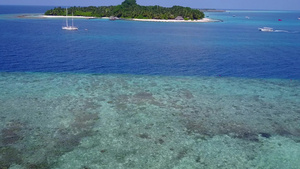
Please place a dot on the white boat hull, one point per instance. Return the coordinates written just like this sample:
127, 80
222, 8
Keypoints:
70, 28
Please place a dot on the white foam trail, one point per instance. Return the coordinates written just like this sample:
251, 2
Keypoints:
281, 31
285, 31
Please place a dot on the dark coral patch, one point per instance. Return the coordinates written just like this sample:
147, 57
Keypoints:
266, 135
13, 132
160, 141
103, 151
9, 156
144, 136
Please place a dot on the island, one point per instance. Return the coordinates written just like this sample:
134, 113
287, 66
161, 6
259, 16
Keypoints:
129, 9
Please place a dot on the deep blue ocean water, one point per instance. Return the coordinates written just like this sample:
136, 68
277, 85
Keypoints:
233, 48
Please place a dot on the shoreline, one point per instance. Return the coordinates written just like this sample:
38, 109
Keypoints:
76, 17
53, 16
173, 20
133, 19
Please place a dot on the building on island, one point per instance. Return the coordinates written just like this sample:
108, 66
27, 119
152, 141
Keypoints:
179, 18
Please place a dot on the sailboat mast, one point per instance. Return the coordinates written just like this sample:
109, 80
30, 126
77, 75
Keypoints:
67, 17
72, 20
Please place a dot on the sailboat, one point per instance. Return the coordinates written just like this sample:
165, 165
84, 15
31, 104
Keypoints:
67, 27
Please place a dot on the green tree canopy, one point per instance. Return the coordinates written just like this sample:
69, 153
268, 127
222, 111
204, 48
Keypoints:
128, 3
130, 9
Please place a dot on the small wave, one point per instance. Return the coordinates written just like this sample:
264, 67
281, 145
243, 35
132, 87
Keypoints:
285, 31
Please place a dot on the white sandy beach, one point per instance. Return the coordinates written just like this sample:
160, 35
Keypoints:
77, 17
54, 16
173, 20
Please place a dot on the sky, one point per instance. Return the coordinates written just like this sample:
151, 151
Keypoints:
215, 4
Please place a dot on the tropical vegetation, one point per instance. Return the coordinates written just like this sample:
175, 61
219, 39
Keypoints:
130, 9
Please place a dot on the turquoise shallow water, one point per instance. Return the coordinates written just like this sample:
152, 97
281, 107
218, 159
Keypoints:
127, 121
150, 95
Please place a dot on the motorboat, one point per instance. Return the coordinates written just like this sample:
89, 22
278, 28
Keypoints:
266, 29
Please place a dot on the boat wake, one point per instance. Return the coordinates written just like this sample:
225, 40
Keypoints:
281, 31
285, 31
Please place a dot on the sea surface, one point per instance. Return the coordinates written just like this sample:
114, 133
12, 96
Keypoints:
128, 94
